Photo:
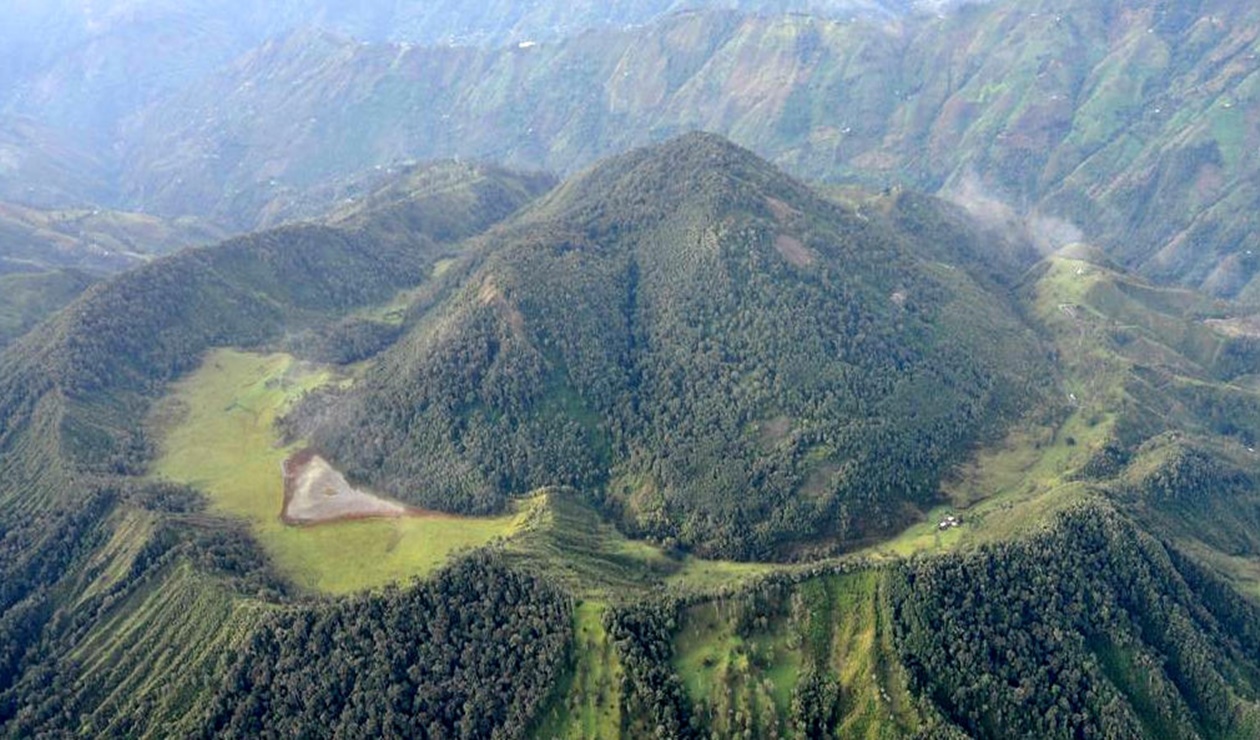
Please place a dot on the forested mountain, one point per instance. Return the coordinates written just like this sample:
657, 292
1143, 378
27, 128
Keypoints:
26, 298
738, 363
679, 352
956, 441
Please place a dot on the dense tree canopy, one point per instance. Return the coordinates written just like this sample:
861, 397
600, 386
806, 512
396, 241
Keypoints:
733, 361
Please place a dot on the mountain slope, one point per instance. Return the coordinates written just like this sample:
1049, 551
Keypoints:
1132, 123
27, 298
75, 390
738, 364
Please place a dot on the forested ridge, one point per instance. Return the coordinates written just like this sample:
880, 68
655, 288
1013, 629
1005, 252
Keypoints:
1090, 629
74, 391
470, 654
735, 362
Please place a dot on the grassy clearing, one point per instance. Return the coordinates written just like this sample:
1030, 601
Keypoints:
567, 541
218, 435
877, 701
739, 665
731, 673
714, 576
587, 702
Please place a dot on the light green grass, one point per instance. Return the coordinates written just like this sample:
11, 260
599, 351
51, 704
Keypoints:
218, 435
131, 530
727, 674
587, 702
836, 625
154, 656
712, 576
875, 698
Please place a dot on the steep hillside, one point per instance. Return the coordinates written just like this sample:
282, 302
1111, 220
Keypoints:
75, 391
1130, 123
1164, 404
91, 238
79, 70
26, 298
701, 343
1089, 627
48, 257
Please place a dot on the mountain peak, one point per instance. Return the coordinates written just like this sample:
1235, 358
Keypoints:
697, 172
715, 361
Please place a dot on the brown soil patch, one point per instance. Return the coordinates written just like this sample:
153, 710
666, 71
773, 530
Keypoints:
793, 251
316, 493
773, 431
820, 482
782, 211
490, 295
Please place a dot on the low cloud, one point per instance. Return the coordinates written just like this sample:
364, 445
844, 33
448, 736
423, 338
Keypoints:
1046, 232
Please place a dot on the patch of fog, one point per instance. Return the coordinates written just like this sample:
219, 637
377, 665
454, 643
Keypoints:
1047, 232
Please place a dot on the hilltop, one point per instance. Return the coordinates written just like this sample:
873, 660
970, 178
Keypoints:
703, 346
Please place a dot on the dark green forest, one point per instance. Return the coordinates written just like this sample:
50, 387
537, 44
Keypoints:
470, 654
735, 363
1090, 629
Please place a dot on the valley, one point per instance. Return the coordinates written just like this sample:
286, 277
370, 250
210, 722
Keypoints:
844, 368
218, 435
1144, 394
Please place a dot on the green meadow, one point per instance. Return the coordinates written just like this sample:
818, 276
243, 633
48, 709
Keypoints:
218, 434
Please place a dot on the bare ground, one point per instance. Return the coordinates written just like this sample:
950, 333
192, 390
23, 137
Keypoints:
314, 493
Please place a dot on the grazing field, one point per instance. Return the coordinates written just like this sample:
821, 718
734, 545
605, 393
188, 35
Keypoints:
217, 434
743, 660
587, 701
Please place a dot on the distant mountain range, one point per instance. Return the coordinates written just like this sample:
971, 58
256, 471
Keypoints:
1127, 124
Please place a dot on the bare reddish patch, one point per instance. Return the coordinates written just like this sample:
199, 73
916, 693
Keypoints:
773, 431
490, 295
782, 211
1247, 326
793, 251
1209, 182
